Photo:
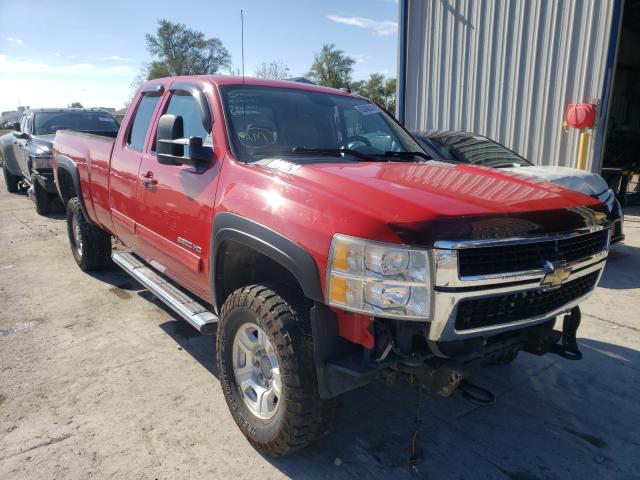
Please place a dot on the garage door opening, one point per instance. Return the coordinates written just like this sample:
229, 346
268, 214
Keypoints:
621, 159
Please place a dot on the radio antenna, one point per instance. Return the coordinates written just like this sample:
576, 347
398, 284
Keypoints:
242, 40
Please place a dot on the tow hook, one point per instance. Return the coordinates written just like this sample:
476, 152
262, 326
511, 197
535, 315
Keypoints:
568, 346
476, 395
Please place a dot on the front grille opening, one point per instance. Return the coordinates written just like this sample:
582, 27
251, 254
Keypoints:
513, 307
529, 256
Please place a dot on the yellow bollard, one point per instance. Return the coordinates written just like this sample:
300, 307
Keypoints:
583, 148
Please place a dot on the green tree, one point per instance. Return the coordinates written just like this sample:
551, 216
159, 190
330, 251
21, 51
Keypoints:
275, 69
378, 89
331, 67
375, 88
178, 50
390, 94
75, 105
357, 86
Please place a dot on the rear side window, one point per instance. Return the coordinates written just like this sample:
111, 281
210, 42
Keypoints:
141, 122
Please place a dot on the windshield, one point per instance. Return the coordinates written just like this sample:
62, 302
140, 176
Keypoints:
477, 150
268, 121
49, 122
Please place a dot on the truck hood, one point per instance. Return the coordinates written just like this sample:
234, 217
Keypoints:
588, 183
41, 144
410, 197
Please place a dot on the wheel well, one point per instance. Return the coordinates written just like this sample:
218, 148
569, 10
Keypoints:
238, 265
66, 186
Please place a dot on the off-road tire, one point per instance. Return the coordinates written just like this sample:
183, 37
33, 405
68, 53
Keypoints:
10, 180
94, 251
42, 198
302, 416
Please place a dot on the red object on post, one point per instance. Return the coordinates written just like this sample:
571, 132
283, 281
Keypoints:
581, 115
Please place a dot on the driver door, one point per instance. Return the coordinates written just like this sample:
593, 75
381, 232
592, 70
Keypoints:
176, 201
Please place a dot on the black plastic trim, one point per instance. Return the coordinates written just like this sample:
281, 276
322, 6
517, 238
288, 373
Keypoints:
196, 92
65, 163
229, 226
328, 348
402, 59
153, 90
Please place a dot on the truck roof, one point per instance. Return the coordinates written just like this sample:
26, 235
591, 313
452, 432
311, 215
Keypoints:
265, 82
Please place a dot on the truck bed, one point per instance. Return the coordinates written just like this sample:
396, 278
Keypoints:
91, 154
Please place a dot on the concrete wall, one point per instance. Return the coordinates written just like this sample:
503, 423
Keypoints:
506, 69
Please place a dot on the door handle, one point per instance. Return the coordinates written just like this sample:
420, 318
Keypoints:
148, 179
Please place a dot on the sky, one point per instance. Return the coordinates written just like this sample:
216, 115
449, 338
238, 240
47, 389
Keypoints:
53, 53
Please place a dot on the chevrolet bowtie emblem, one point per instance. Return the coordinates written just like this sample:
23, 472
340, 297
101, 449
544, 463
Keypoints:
600, 217
555, 274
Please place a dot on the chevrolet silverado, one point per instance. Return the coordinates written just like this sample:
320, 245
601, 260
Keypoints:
308, 230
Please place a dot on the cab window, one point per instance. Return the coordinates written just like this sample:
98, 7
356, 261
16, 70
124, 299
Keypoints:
183, 104
141, 122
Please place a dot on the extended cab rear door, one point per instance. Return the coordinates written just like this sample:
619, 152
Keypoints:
126, 158
176, 201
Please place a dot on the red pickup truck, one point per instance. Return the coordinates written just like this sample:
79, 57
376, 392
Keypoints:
309, 229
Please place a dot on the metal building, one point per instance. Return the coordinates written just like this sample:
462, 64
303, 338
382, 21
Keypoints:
508, 69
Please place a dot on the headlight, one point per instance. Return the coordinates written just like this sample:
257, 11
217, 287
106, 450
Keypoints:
41, 161
381, 279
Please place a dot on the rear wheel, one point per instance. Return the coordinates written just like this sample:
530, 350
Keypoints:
91, 246
10, 180
267, 372
42, 198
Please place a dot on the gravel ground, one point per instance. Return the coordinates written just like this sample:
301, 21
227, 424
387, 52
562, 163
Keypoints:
97, 380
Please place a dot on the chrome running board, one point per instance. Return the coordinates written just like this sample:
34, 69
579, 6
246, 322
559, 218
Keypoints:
188, 308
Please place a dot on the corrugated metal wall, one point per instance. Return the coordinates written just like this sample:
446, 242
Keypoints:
506, 69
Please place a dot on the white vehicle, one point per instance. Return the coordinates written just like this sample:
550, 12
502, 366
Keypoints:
465, 147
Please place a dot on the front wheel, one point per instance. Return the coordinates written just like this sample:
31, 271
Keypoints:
91, 246
267, 372
42, 198
11, 181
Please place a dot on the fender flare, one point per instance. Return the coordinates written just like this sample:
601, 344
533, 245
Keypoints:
10, 162
229, 226
66, 164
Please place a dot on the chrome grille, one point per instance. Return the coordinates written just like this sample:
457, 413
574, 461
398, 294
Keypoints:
511, 258
517, 306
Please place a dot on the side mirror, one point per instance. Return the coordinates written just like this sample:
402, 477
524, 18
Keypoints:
15, 126
22, 135
170, 145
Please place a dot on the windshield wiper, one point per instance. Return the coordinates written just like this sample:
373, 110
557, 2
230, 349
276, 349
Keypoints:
340, 152
324, 152
337, 152
406, 155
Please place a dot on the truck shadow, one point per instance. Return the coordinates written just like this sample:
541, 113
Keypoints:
200, 347
548, 411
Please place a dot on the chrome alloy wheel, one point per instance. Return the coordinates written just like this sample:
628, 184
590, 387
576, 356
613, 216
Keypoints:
77, 235
256, 370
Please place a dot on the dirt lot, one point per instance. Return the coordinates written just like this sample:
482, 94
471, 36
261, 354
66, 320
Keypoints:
98, 381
